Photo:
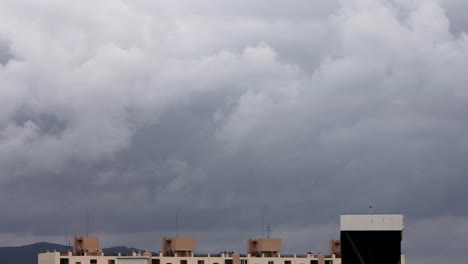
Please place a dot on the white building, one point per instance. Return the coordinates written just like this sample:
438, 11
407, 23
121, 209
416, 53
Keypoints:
180, 250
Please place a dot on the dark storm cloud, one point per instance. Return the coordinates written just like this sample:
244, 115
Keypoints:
5, 54
454, 10
221, 112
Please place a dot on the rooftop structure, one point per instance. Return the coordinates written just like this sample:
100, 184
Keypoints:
178, 246
86, 245
372, 222
371, 238
181, 250
264, 247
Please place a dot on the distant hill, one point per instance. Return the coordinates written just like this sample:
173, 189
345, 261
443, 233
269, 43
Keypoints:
28, 254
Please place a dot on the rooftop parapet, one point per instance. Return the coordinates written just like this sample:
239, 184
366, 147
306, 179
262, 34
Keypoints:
372, 222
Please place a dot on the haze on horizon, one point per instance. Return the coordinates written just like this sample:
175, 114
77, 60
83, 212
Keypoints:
222, 111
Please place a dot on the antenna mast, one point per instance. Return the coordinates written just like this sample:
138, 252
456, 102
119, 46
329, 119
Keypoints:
177, 224
268, 230
262, 226
87, 224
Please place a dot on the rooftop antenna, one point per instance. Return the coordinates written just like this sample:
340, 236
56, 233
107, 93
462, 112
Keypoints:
370, 213
262, 224
87, 223
268, 230
177, 224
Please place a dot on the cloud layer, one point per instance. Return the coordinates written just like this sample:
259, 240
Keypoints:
134, 111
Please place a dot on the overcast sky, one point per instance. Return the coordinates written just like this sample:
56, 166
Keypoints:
222, 111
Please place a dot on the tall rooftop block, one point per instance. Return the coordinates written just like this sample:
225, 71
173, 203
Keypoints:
371, 239
180, 246
269, 247
86, 245
387, 222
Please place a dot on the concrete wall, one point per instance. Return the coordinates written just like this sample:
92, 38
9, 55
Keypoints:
54, 258
250, 260
49, 258
371, 222
89, 244
45, 258
264, 245
183, 246
130, 260
269, 244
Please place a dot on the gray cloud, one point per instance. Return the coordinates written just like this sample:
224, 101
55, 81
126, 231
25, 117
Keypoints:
5, 54
453, 9
219, 112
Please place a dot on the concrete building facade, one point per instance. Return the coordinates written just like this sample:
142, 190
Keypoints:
371, 239
181, 250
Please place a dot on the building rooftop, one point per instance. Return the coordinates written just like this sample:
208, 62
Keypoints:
372, 222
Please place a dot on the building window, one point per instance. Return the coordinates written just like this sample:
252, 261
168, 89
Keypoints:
244, 261
111, 261
78, 263
328, 261
63, 261
155, 261
271, 262
200, 261
228, 261
93, 261
287, 262
314, 262
183, 261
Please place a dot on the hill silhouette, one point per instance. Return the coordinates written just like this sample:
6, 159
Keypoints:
28, 254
